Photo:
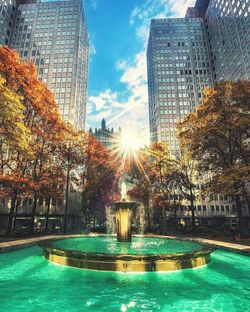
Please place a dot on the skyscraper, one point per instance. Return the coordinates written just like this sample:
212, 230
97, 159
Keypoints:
7, 17
228, 25
179, 68
184, 55
54, 36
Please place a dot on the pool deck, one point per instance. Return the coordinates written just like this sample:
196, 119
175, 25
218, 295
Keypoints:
27, 242
232, 247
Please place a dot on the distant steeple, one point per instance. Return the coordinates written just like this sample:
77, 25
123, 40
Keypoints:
103, 124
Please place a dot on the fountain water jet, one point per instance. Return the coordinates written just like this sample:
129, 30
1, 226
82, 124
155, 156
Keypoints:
123, 216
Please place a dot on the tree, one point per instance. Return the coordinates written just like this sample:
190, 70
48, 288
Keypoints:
159, 172
100, 182
217, 136
142, 185
34, 118
184, 178
12, 128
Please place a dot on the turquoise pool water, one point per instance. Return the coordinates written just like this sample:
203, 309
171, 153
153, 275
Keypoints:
139, 245
29, 283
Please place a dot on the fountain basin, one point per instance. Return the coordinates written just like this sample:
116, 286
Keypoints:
127, 262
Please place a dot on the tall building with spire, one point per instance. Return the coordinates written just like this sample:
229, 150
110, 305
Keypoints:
53, 34
107, 136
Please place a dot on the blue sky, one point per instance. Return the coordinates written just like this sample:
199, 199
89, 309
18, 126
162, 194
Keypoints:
118, 32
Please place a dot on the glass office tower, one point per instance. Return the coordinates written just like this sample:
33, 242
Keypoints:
7, 18
54, 36
185, 55
179, 68
228, 25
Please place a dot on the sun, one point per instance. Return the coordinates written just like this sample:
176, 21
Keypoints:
127, 148
130, 141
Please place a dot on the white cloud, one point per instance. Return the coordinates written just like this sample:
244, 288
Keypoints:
102, 114
179, 7
141, 16
92, 49
94, 4
135, 74
131, 109
132, 112
103, 100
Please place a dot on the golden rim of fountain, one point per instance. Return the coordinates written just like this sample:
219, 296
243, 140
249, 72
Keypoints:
126, 262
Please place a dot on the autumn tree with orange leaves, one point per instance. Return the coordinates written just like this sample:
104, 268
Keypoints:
139, 177
33, 136
151, 177
217, 136
100, 181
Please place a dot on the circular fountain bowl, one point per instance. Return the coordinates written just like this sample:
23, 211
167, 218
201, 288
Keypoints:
143, 254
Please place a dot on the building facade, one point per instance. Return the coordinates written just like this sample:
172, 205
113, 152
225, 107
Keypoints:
184, 55
187, 54
7, 18
54, 36
107, 136
228, 26
179, 68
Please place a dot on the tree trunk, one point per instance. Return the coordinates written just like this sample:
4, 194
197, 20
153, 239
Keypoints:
163, 222
32, 221
15, 216
11, 214
175, 214
192, 208
147, 211
67, 195
247, 198
148, 216
242, 222
47, 215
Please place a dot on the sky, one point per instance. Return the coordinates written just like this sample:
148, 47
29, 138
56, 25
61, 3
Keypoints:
118, 34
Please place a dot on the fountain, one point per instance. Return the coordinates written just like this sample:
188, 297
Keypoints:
124, 254
123, 216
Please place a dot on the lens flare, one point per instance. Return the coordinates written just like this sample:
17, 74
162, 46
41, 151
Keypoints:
126, 149
130, 141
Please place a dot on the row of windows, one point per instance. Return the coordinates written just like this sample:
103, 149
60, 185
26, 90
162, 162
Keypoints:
221, 208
